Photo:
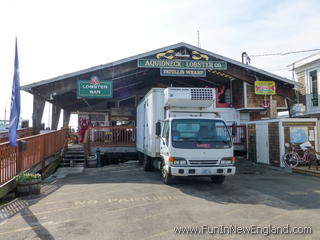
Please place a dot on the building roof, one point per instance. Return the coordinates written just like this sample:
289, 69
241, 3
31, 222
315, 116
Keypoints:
304, 61
29, 87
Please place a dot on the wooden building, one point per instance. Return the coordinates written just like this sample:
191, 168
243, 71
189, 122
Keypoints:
179, 65
307, 74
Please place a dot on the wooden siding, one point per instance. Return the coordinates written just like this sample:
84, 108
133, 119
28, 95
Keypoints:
274, 146
256, 101
302, 88
237, 94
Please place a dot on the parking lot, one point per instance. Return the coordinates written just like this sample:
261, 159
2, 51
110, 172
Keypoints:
124, 202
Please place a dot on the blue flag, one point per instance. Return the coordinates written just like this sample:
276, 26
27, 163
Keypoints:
15, 101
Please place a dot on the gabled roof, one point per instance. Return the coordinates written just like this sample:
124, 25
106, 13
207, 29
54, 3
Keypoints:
139, 56
304, 61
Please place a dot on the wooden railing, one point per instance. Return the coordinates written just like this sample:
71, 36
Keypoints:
24, 132
38, 149
112, 136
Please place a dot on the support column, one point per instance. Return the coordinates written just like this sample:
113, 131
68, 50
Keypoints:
66, 118
38, 107
56, 110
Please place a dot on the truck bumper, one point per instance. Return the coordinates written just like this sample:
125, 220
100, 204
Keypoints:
202, 171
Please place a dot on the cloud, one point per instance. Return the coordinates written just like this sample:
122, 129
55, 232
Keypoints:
57, 37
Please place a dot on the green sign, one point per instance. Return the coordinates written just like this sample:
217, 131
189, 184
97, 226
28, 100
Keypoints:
177, 63
94, 88
181, 72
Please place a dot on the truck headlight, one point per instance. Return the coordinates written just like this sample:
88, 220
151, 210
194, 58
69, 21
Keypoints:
179, 161
228, 161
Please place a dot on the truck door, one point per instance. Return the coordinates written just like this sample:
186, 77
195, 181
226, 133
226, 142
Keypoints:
164, 142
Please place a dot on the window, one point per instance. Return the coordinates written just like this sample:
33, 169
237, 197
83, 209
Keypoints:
200, 133
314, 88
165, 132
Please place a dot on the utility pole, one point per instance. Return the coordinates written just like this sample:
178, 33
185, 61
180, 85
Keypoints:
198, 33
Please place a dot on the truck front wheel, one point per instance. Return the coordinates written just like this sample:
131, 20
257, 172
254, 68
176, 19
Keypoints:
165, 176
219, 179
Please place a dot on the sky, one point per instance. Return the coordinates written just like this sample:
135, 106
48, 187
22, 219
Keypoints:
63, 36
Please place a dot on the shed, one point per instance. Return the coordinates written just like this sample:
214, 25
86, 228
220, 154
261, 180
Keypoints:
267, 138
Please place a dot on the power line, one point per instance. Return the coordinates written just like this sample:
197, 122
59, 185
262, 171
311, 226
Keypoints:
284, 53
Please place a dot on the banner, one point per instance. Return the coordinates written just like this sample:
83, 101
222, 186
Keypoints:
15, 101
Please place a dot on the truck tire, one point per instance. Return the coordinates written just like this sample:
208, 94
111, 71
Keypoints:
140, 158
147, 164
219, 179
166, 177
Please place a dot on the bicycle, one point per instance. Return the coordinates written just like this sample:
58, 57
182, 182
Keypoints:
292, 158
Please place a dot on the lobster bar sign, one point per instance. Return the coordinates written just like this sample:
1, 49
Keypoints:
185, 64
94, 88
265, 87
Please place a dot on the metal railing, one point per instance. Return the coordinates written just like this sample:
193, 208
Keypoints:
112, 136
38, 149
24, 132
241, 136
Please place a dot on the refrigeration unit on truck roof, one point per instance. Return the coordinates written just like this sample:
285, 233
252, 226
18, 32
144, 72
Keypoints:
189, 97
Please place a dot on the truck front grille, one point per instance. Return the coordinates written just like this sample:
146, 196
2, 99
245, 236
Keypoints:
203, 162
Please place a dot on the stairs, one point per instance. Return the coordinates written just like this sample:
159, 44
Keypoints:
73, 157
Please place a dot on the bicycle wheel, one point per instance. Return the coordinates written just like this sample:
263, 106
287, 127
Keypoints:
290, 160
312, 157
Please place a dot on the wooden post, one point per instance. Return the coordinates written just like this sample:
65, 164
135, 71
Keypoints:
56, 110
38, 107
66, 118
273, 108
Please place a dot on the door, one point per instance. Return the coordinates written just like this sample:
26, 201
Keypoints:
262, 143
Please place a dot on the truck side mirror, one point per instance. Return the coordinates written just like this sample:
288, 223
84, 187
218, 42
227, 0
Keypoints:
158, 129
234, 129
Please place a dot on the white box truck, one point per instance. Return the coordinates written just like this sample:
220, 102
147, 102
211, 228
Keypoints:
180, 133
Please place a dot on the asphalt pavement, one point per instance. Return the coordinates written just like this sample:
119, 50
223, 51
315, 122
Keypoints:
124, 202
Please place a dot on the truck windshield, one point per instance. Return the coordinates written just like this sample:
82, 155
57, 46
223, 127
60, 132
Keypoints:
200, 133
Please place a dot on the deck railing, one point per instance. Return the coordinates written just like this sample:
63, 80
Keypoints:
125, 136
112, 136
38, 149
24, 132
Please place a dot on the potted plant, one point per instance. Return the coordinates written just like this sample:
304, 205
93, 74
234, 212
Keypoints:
92, 160
28, 183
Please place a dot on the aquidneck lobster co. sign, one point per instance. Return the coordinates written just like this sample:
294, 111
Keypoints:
94, 88
177, 63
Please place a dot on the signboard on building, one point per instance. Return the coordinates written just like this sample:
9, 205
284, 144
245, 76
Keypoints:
265, 87
185, 64
183, 72
94, 88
